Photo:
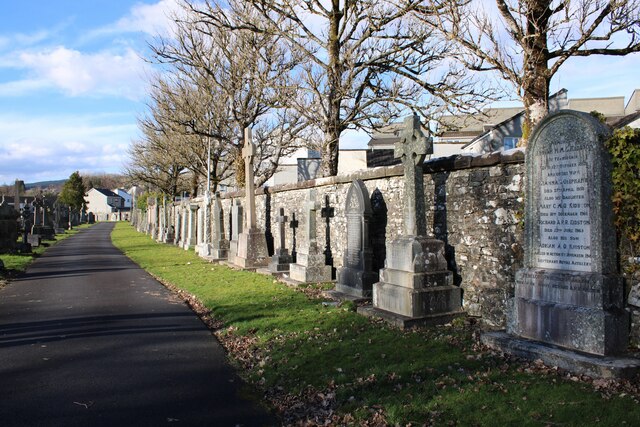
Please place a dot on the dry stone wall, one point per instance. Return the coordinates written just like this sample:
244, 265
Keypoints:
474, 204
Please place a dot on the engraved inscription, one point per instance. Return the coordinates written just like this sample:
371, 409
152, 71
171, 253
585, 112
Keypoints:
354, 239
564, 211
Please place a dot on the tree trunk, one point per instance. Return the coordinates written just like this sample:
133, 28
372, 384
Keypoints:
333, 127
329, 155
535, 73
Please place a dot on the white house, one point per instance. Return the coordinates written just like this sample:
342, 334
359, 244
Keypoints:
126, 196
106, 205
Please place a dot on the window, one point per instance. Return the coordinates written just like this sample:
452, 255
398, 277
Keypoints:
510, 142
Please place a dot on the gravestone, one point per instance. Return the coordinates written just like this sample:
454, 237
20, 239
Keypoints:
18, 189
236, 228
203, 248
310, 266
415, 287
192, 218
569, 296
219, 245
327, 212
378, 231
356, 277
281, 259
252, 242
8, 228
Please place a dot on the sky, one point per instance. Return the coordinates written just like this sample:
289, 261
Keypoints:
73, 79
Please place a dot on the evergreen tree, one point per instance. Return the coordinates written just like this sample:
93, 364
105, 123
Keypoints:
72, 194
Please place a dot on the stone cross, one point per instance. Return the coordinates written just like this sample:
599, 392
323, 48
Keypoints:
412, 149
282, 219
248, 153
311, 206
327, 213
293, 224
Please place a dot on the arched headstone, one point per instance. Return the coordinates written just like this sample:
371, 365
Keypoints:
357, 276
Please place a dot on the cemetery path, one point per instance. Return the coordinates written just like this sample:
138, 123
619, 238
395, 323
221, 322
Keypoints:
87, 338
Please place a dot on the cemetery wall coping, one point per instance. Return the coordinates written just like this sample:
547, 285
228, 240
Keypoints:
440, 164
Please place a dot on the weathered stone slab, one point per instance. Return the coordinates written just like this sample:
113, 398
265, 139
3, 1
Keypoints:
569, 293
580, 363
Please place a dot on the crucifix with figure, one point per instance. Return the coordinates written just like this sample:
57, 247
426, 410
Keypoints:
412, 149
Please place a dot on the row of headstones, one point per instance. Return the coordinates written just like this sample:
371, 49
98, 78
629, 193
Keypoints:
568, 296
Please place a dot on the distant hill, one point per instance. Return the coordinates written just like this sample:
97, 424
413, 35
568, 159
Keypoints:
45, 184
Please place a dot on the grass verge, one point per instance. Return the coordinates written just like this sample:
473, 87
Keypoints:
16, 264
319, 364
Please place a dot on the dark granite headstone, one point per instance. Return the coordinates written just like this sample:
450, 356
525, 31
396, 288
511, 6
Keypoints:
357, 276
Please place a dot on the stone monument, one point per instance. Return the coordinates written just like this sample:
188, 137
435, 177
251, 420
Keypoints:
310, 266
8, 228
356, 277
281, 258
415, 287
293, 225
191, 226
568, 297
204, 246
236, 228
219, 245
252, 243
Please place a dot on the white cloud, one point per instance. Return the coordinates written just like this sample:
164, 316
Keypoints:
52, 147
152, 19
76, 73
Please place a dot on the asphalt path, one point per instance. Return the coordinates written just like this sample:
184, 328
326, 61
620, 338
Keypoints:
87, 338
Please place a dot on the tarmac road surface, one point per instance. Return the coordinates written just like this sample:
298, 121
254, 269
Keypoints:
87, 338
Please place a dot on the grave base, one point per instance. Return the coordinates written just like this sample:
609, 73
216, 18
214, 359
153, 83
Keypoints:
406, 322
280, 261
358, 283
572, 361
252, 250
341, 296
310, 267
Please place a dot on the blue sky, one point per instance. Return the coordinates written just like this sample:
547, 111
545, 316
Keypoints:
72, 83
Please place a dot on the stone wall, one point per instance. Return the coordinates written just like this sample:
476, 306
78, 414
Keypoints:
474, 202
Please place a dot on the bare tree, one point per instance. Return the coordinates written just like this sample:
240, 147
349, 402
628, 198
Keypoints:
362, 63
223, 82
532, 39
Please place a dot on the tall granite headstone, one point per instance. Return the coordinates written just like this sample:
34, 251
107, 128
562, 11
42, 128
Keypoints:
236, 228
219, 244
192, 226
204, 246
310, 264
357, 277
569, 293
252, 242
415, 287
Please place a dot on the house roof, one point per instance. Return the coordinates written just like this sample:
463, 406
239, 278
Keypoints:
624, 121
106, 192
611, 106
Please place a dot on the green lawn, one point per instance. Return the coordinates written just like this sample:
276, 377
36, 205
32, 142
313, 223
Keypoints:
311, 359
15, 264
